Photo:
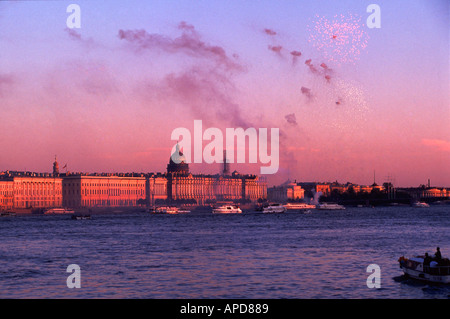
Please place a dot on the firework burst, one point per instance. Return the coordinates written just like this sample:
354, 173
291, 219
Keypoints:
340, 40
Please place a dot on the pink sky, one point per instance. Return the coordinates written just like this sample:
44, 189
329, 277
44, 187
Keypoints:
106, 97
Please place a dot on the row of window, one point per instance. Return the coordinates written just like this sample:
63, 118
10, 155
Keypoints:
104, 185
99, 203
108, 192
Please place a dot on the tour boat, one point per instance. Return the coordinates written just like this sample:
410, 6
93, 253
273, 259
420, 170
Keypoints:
420, 204
227, 209
274, 208
298, 206
330, 206
435, 273
58, 211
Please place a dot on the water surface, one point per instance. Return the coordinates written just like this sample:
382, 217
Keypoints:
199, 255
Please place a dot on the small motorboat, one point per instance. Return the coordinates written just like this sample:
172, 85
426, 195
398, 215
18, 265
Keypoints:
420, 205
274, 208
435, 272
227, 209
7, 214
183, 210
80, 217
330, 206
165, 210
58, 211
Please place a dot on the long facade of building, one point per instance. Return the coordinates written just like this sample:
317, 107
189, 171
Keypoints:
103, 190
25, 190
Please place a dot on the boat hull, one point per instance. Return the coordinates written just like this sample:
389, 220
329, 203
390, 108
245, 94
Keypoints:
299, 207
274, 210
331, 207
422, 276
225, 212
167, 210
59, 212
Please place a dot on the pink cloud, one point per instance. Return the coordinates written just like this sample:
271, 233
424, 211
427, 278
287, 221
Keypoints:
440, 145
189, 43
276, 48
6, 81
269, 32
290, 118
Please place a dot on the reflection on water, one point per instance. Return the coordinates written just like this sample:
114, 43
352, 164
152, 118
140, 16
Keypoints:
319, 255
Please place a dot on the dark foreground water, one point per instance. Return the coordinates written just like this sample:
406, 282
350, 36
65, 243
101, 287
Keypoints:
294, 255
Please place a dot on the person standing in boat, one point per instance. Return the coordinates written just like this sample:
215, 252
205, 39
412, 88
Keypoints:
438, 255
427, 260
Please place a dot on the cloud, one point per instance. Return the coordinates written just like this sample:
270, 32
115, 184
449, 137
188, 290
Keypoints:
323, 65
189, 42
295, 56
269, 32
203, 86
312, 68
88, 43
205, 92
290, 118
440, 145
275, 48
307, 92
6, 83
73, 34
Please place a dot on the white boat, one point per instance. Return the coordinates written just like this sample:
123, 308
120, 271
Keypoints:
298, 206
435, 273
420, 204
274, 208
330, 206
227, 209
58, 211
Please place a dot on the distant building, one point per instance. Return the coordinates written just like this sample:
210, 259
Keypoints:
286, 192
26, 190
435, 192
335, 187
103, 190
312, 188
6, 194
204, 189
424, 192
155, 189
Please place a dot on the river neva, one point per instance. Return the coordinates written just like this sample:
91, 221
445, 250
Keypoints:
323, 254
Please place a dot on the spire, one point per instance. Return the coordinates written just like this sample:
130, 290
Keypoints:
55, 167
226, 165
